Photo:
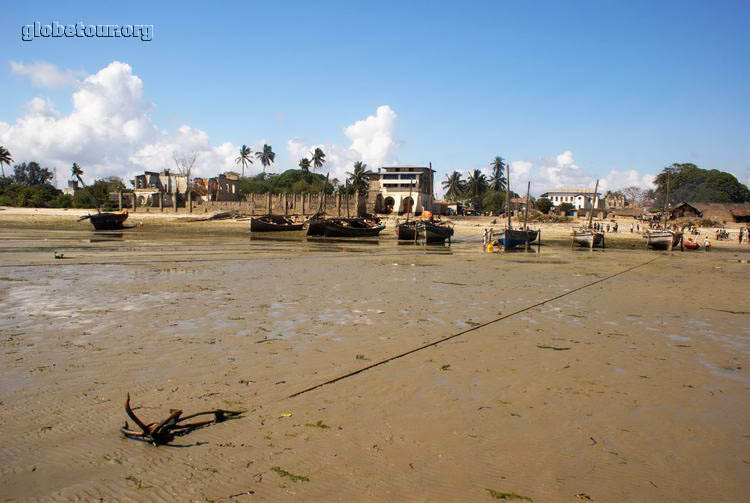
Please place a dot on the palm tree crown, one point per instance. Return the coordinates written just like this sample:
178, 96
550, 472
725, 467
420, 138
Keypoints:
476, 183
318, 158
305, 164
357, 178
266, 156
5, 158
497, 180
244, 158
454, 186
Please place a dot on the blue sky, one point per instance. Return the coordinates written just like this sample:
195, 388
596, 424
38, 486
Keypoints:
568, 91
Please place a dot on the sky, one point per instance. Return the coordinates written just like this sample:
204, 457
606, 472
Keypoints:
568, 92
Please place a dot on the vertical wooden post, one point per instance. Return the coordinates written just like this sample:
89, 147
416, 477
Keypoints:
161, 201
286, 203
135, 196
175, 202
303, 203
190, 201
269, 203
539, 241
119, 200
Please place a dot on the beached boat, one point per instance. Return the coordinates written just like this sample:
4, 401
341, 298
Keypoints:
437, 232
274, 223
511, 238
663, 239
107, 221
588, 238
408, 231
351, 228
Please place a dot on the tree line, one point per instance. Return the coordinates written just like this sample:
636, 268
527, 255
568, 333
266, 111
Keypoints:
483, 193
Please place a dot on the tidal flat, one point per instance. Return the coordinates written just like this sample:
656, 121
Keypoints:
614, 375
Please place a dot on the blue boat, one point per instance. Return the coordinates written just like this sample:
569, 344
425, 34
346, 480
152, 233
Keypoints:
512, 238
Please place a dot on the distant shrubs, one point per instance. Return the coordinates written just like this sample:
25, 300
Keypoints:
707, 222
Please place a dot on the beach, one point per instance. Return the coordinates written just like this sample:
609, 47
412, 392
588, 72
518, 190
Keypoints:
369, 370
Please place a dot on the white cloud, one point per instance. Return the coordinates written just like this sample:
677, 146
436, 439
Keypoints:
108, 132
562, 172
374, 141
43, 74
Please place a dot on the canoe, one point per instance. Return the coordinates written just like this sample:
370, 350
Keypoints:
510, 238
272, 223
588, 238
663, 239
107, 221
351, 228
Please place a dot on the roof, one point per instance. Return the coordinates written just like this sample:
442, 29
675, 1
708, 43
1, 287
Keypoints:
570, 191
628, 212
518, 200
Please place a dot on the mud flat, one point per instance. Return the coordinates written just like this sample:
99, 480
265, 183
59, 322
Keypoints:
630, 384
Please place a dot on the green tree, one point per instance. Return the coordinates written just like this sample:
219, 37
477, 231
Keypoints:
358, 180
565, 208
5, 158
266, 156
305, 164
31, 174
476, 185
244, 158
543, 205
318, 158
688, 182
454, 186
494, 199
497, 180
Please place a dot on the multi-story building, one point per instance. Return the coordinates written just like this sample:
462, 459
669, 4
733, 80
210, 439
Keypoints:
401, 189
148, 186
581, 199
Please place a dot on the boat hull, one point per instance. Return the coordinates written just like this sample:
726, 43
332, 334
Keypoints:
663, 240
407, 231
512, 238
437, 233
353, 230
277, 225
108, 221
588, 239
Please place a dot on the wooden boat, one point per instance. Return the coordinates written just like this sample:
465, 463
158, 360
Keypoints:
107, 221
438, 232
663, 239
274, 223
408, 231
588, 238
351, 228
511, 238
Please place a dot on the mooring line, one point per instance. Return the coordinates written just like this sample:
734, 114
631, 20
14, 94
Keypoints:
464, 332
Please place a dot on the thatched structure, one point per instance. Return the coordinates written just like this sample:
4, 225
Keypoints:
628, 212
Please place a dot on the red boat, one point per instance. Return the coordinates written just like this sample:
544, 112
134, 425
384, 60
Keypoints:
691, 245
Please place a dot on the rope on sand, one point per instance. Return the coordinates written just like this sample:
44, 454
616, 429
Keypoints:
472, 329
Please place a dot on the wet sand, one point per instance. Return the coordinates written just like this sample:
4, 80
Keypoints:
632, 385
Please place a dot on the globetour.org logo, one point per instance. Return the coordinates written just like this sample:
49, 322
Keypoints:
55, 30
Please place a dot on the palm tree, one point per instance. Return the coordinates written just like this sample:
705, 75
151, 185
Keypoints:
5, 158
318, 158
266, 157
305, 165
497, 180
454, 186
245, 158
476, 184
358, 179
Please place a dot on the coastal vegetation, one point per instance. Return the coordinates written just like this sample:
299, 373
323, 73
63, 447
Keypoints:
477, 190
688, 182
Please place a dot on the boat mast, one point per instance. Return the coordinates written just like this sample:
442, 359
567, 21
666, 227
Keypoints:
526, 213
591, 213
666, 203
411, 184
507, 191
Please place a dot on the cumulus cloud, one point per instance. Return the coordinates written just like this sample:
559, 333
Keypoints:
561, 171
109, 131
43, 74
374, 140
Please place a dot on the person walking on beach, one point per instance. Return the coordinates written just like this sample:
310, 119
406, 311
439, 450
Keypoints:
631, 228
741, 230
706, 243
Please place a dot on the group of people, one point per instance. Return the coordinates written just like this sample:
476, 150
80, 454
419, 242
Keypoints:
601, 227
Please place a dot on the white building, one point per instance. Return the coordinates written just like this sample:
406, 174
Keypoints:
401, 189
581, 199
